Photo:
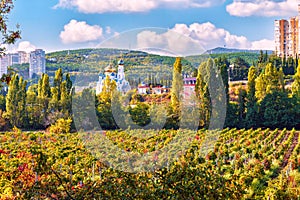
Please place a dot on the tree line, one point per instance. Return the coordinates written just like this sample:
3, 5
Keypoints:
37, 106
265, 102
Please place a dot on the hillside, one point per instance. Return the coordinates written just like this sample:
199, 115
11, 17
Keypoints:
222, 50
86, 64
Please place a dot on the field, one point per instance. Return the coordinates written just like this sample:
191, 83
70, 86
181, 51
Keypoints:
237, 164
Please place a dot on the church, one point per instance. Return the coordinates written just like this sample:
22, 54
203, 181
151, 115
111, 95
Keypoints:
115, 75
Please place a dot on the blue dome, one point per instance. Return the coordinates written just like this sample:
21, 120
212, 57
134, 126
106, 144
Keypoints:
121, 62
102, 75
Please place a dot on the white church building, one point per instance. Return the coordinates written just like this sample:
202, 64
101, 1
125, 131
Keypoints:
117, 76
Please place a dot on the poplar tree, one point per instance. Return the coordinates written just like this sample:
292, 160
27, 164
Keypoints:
21, 97
69, 84
268, 81
202, 94
54, 102
64, 98
11, 99
44, 95
177, 85
32, 108
16, 101
241, 106
281, 80
58, 79
105, 115
251, 101
296, 83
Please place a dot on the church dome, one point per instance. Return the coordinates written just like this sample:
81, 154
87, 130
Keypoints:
121, 62
110, 68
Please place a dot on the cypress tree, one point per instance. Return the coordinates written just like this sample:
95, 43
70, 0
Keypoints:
176, 85
16, 101
241, 106
64, 97
11, 100
251, 101
268, 81
296, 83
58, 80
69, 84
203, 96
32, 108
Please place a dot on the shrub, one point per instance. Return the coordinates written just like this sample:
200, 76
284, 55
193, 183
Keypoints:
61, 126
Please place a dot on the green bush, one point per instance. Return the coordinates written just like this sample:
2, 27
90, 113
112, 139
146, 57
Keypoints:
61, 126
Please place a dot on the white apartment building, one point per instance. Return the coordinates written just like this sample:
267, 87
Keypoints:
23, 57
3, 65
37, 63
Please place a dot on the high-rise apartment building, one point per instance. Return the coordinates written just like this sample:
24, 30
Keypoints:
13, 59
23, 57
286, 33
37, 62
293, 37
281, 37
3, 65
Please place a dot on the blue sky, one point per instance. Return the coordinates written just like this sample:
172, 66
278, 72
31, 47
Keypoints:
71, 24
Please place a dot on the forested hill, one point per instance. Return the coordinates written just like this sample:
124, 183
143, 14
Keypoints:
95, 60
222, 50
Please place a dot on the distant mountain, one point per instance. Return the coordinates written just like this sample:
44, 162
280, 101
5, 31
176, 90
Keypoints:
222, 50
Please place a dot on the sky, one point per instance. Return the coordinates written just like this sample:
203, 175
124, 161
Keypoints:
72, 24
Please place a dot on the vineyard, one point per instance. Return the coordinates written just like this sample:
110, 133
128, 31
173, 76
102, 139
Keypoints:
226, 164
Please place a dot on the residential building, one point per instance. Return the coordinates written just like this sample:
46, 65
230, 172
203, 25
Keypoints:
3, 65
149, 89
13, 59
293, 37
189, 84
37, 63
281, 37
286, 35
23, 57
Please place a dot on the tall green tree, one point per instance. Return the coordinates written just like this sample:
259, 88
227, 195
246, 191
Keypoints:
251, 101
296, 83
104, 103
54, 102
277, 110
268, 81
33, 108
2, 102
44, 96
58, 79
241, 106
16, 101
69, 84
176, 94
65, 98
177, 85
203, 96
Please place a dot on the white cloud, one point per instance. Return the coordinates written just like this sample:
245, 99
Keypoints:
102, 6
263, 44
20, 46
263, 8
80, 31
26, 46
107, 30
170, 41
193, 39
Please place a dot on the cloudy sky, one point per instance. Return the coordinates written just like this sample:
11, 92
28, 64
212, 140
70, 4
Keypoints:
72, 24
